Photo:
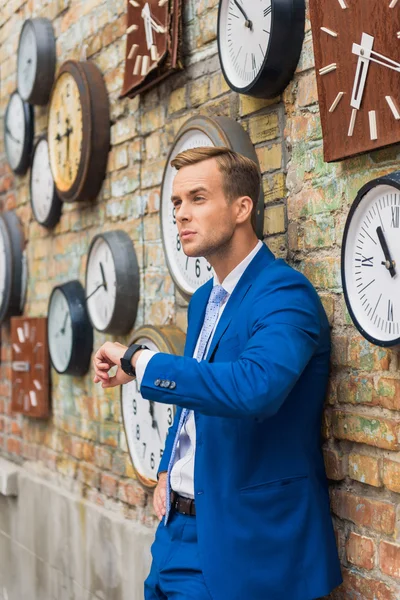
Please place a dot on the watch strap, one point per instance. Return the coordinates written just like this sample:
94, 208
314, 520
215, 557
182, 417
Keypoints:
126, 364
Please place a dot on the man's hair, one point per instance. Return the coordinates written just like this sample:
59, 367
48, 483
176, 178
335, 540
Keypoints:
240, 175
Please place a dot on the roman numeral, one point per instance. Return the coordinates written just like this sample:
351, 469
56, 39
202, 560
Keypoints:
390, 311
367, 262
267, 11
396, 216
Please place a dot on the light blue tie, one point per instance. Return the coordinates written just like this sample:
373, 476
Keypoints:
217, 296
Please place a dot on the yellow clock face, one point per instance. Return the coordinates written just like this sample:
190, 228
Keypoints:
65, 131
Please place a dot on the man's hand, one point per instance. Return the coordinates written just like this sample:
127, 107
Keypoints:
160, 496
106, 357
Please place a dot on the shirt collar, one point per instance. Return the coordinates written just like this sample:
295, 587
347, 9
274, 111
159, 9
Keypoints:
231, 280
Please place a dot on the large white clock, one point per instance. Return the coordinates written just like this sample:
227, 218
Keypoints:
371, 261
146, 423
46, 205
190, 273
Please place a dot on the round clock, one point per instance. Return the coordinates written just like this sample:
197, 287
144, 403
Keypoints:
13, 272
190, 273
146, 423
78, 131
36, 61
70, 333
259, 44
371, 261
112, 282
46, 205
18, 133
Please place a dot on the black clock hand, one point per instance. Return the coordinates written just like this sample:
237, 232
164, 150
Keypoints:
95, 290
389, 264
62, 330
248, 23
8, 132
154, 423
103, 276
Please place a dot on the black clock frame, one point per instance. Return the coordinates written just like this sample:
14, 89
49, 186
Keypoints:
27, 144
82, 331
282, 54
14, 294
127, 279
46, 59
56, 205
392, 179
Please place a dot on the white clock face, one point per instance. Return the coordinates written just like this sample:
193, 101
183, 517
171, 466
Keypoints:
372, 264
60, 331
146, 425
188, 273
101, 284
42, 184
244, 33
15, 130
27, 62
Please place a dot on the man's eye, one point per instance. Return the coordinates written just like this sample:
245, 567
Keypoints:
199, 198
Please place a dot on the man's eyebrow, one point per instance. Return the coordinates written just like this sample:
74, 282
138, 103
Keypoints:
191, 193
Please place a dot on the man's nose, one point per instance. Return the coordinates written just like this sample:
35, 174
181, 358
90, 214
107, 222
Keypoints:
183, 214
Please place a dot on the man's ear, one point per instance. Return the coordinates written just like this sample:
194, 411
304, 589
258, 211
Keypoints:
244, 209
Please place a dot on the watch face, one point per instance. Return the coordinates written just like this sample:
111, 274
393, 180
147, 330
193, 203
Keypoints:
60, 332
371, 264
15, 130
188, 273
244, 32
65, 131
42, 184
146, 426
27, 61
101, 284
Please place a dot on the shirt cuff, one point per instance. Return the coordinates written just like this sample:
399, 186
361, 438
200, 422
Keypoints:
142, 363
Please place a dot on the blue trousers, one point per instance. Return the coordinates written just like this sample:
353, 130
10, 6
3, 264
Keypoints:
175, 571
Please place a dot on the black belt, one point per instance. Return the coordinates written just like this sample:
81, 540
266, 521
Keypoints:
185, 506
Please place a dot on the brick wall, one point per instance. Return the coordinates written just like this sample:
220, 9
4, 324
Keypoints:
307, 202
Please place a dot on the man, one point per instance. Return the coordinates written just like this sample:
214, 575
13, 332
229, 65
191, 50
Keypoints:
243, 455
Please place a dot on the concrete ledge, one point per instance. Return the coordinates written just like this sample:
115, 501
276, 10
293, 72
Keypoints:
8, 478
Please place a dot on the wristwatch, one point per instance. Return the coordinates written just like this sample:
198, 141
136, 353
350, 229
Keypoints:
126, 364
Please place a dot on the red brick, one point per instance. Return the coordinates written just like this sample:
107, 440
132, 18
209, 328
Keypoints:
102, 457
15, 429
109, 485
388, 393
358, 587
391, 475
88, 475
360, 551
389, 559
380, 516
334, 464
132, 493
365, 429
14, 446
365, 469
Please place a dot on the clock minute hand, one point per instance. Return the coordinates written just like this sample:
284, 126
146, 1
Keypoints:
359, 50
248, 23
390, 264
367, 41
8, 132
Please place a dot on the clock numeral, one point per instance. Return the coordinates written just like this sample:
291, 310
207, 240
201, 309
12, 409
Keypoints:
134, 405
197, 268
161, 453
209, 267
396, 216
267, 11
152, 461
174, 215
138, 431
169, 411
390, 311
144, 448
367, 262
187, 262
178, 242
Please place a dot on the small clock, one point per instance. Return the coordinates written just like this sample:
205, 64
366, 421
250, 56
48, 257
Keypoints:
112, 282
46, 205
18, 133
152, 43
190, 273
146, 423
36, 60
259, 44
13, 273
70, 334
78, 131
371, 260
30, 367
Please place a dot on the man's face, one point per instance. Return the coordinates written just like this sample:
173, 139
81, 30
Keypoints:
206, 220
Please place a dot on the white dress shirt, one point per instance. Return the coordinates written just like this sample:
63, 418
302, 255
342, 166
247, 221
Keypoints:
182, 474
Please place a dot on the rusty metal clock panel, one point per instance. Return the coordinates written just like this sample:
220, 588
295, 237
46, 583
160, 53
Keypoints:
349, 37
30, 367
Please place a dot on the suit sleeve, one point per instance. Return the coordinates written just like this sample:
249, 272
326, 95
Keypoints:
284, 336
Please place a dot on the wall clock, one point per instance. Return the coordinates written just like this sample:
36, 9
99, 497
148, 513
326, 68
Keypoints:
46, 205
259, 44
30, 367
371, 260
78, 131
146, 423
18, 133
70, 334
112, 282
152, 43
357, 61
190, 273
36, 60
13, 273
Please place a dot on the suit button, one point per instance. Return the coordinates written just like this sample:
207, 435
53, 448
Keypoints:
166, 383
157, 382
172, 385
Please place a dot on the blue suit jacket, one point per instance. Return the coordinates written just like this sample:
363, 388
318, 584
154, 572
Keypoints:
263, 519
